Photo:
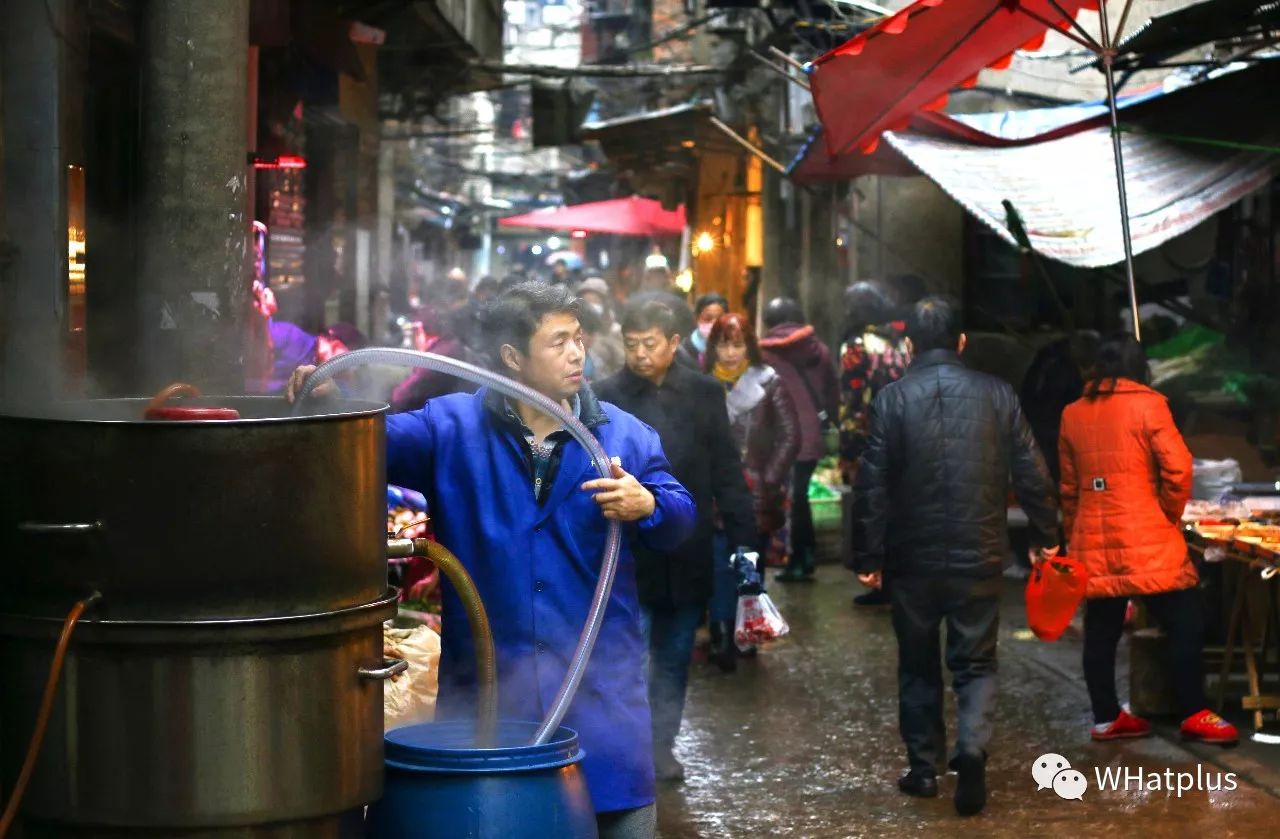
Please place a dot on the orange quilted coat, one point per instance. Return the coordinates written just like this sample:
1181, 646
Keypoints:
1126, 477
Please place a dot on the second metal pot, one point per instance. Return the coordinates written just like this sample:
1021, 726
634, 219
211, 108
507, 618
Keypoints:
215, 727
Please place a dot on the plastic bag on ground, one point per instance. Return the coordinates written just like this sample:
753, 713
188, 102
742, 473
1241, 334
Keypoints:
410, 697
758, 621
1054, 591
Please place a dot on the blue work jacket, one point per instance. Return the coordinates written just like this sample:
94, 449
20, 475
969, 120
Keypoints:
536, 565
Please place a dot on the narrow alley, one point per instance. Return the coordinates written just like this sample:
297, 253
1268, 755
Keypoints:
803, 742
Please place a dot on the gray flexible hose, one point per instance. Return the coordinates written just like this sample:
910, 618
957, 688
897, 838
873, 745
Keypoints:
613, 539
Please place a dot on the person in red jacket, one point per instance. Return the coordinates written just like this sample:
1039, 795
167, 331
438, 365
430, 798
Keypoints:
808, 375
1126, 477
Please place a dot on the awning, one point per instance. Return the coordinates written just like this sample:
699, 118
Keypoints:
907, 63
1065, 189
1252, 24
665, 138
1188, 154
814, 164
634, 216
1227, 90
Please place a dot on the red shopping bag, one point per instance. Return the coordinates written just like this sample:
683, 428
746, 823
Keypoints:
1054, 592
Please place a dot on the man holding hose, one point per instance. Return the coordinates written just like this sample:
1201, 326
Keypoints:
517, 500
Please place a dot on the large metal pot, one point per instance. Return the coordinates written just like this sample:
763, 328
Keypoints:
201, 727
265, 516
227, 684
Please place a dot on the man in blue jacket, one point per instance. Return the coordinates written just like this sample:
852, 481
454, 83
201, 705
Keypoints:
516, 498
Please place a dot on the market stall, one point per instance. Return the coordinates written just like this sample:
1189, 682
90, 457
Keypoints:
1245, 540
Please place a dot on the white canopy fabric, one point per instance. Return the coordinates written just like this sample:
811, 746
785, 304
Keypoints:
1065, 189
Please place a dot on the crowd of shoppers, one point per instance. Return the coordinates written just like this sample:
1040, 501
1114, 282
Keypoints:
720, 432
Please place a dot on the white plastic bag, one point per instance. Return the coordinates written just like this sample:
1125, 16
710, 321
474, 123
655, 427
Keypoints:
758, 621
410, 698
1211, 479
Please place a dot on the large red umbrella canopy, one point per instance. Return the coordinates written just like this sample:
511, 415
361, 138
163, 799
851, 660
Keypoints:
632, 216
908, 62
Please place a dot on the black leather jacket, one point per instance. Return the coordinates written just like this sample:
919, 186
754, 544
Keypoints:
931, 493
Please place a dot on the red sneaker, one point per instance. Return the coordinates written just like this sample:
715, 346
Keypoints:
1124, 727
1208, 727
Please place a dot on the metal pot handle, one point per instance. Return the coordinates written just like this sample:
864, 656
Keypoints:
391, 666
46, 527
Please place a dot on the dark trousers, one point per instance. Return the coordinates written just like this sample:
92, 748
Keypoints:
1179, 615
971, 609
670, 631
803, 540
724, 595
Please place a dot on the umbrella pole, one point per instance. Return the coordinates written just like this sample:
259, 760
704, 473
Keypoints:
1108, 56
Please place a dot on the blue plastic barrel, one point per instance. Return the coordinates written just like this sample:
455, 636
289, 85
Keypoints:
439, 786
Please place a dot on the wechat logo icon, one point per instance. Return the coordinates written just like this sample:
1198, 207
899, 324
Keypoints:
1052, 771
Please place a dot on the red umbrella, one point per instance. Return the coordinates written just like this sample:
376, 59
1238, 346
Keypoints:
874, 82
632, 216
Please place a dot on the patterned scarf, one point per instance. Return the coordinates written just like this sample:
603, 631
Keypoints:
729, 375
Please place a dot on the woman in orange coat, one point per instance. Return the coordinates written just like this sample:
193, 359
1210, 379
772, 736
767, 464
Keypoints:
1126, 477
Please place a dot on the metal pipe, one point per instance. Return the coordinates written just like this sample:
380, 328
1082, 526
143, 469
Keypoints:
786, 58
781, 71
1124, 17
1108, 59
747, 144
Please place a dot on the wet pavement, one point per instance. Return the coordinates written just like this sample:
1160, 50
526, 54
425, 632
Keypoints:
802, 741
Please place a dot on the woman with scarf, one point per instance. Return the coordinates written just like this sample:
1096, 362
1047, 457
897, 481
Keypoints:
766, 430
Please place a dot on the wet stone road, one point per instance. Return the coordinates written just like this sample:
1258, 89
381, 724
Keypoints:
803, 742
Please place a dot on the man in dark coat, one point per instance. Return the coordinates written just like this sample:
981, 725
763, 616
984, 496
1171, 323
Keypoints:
930, 513
688, 411
809, 376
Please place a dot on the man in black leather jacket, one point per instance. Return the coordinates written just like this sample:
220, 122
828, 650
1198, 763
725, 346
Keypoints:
930, 513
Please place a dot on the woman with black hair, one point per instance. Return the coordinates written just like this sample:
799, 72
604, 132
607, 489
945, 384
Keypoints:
1126, 477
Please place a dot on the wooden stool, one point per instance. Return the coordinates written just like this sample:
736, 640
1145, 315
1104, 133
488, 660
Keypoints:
1253, 626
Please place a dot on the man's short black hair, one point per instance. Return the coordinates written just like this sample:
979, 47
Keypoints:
649, 314
934, 324
782, 310
514, 316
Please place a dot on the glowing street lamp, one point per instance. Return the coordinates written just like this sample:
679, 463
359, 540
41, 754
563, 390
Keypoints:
704, 242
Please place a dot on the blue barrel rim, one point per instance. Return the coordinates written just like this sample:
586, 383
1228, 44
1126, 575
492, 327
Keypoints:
429, 748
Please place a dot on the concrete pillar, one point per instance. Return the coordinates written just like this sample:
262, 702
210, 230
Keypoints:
193, 217
805, 280
386, 214
33, 288
774, 220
